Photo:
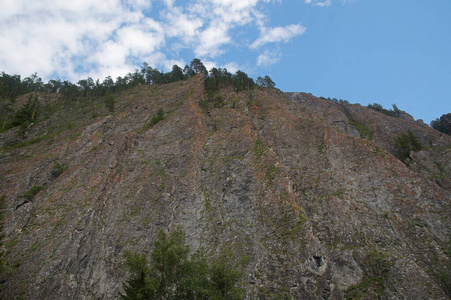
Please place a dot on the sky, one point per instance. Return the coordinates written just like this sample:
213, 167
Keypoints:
364, 51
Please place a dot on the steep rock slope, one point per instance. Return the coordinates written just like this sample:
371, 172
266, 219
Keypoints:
288, 181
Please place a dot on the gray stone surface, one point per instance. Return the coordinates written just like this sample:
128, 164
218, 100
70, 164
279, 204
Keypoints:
288, 183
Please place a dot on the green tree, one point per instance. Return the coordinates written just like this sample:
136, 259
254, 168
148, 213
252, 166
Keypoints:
224, 277
198, 67
439, 125
33, 83
242, 82
172, 274
109, 102
58, 169
396, 110
157, 118
176, 73
376, 107
140, 285
53, 85
169, 263
188, 71
108, 84
269, 82
86, 86
265, 82
27, 114
406, 143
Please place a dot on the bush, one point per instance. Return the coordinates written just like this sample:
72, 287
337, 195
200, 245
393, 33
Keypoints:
35, 189
58, 169
28, 113
406, 143
223, 278
364, 131
157, 118
265, 82
376, 266
443, 275
340, 101
172, 274
395, 112
211, 100
109, 102
23, 129
438, 124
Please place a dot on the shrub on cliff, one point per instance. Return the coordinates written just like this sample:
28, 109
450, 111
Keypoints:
172, 274
157, 118
406, 143
265, 82
27, 114
442, 124
35, 189
109, 102
58, 169
395, 112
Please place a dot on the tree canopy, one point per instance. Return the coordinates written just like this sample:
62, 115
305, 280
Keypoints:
172, 274
395, 112
12, 86
405, 144
265, 82
440, 124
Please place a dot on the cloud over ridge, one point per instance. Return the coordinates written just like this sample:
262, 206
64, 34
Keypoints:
74, 39
278, 34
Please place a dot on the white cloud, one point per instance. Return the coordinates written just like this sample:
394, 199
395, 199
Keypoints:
268, 58
51, 36
211, 39
139, 4
219, 17
278, 34
319, 2
74, 39
325, 3
169, 63
232, 67
182, 25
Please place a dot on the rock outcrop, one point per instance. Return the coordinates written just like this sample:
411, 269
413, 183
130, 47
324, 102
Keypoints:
309, 192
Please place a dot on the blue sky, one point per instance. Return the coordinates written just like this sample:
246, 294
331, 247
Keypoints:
374, 51
359, 50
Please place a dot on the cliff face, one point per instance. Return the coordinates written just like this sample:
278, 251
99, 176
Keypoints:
309, 191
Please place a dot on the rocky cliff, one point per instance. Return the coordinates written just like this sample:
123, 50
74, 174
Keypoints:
311, 192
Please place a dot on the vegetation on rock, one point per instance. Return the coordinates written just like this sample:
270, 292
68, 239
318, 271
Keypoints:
442, 124
33, 191
405, 144
172, 274
395, 112
109, 102
159, 116
58, 169
377, 270
285, 181
265, 82
27, 114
